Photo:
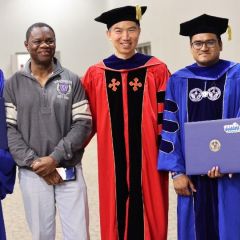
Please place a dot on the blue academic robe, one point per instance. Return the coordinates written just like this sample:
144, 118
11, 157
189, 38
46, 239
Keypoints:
7, 164
223, 192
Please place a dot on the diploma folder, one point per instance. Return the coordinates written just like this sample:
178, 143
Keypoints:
212, 143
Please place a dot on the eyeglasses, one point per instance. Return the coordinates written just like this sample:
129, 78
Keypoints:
199, 44
37, 43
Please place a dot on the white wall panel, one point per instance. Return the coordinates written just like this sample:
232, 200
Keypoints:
82, 41
78, 35
160, 26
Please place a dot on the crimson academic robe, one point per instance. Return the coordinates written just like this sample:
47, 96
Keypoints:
127, 106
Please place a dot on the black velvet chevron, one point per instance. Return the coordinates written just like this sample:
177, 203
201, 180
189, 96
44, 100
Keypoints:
170, 106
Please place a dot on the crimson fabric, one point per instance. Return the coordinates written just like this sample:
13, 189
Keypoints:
127, 106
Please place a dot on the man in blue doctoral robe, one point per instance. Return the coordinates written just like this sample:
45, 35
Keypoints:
7, 164
208, 206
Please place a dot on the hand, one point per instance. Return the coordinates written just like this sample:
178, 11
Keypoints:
44, 166
183, 185
53, 178
214, 173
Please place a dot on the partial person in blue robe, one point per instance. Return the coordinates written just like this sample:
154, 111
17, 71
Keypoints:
7, 164
208, 206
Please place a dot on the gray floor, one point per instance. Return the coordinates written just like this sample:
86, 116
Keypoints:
14, 215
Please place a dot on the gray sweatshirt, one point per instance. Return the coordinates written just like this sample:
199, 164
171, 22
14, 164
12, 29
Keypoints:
52, 120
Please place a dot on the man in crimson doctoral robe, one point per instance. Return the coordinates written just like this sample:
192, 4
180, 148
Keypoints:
126, 94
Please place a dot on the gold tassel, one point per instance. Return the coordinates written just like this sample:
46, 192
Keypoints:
229, 32
138, 12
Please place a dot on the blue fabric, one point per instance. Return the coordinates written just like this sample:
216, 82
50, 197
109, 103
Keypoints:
228, 190
1, 83
205, 109
7, 164
195, 71
206, 207
135, 61
206, 197
3, 125
70, 173
214, 71
7, 173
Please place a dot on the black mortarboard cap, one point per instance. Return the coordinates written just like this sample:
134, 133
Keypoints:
127, 13
204, 24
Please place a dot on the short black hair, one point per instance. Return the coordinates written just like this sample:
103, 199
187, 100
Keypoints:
37, 25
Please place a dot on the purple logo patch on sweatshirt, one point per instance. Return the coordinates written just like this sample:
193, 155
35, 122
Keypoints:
64, 87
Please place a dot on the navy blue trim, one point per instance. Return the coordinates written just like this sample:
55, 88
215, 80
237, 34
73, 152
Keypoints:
205, 109
159, 140
135, 61
206, 208
166, 146
170, 126
170, 106
213, 71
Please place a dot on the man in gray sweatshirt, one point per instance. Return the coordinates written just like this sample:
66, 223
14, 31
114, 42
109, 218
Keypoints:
49, 122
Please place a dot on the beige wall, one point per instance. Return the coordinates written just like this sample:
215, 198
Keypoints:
78, 37
160, 26
82, 41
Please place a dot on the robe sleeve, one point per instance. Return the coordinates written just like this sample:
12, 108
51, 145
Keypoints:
90, 90
171, 156
21, 152
7, 164
7, 173
162, 75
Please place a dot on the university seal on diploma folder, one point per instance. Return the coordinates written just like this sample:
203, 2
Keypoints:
215, 145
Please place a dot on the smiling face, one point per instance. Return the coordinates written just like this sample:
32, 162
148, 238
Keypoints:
41, 45
209, 52
124, 37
